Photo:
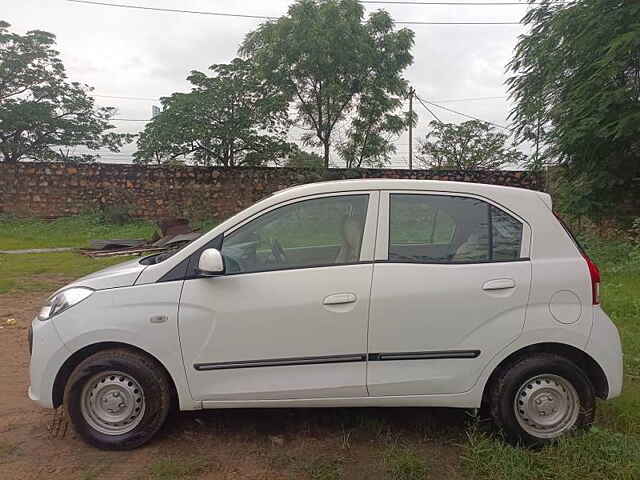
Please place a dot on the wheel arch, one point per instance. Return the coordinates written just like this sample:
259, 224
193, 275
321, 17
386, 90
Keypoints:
77, 357
583, 360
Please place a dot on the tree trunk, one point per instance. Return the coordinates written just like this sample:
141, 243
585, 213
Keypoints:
326, 153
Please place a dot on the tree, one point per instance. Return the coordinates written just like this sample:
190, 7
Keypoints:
369, 137
232, 118
301, 159
471, 145
576, 83
330, 62
42, 115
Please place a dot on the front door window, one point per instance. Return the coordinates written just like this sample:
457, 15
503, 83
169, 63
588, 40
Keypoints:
317, 232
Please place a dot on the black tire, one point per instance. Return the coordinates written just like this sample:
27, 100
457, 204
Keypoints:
511, 381
150, 377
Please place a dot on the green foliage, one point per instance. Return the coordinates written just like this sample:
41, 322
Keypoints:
44, 116
370, 137
331, 63
577, 91
471, 145
301, 159
115, 214
232, 118
405, 464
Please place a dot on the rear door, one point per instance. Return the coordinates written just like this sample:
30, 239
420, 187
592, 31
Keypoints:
450, 289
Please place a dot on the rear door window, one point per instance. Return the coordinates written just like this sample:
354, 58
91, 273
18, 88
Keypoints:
450, 229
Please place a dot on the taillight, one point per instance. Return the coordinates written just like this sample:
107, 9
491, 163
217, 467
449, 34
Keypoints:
594, 273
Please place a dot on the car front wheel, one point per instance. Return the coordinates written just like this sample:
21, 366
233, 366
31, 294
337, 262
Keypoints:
540, 398
117, 399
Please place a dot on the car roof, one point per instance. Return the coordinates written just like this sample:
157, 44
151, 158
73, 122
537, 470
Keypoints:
401, 184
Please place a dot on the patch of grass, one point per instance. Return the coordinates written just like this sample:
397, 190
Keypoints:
324, 468
177, 468
7, 450
622, 414
404, 463
45, 271
76, 231
598, 455
91, 474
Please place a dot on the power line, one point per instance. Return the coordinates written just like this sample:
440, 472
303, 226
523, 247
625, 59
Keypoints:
447, 23
427, 108
451, 3
263, 17
171, 10
130, 119
126, 98
464, 114
471, 99
446, 100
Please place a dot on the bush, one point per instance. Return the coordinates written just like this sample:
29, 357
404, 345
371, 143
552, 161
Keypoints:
115, 214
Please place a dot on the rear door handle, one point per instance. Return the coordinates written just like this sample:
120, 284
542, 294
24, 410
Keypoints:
499, 284
339, 299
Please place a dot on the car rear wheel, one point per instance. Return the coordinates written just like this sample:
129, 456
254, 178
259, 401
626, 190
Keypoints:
117, 399
540, 398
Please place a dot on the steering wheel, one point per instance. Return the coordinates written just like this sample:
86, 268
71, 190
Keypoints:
278, 252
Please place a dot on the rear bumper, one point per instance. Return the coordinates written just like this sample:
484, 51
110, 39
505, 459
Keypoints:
48, 354
605, 347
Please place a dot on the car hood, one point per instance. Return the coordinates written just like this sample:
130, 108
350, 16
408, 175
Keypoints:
122, 275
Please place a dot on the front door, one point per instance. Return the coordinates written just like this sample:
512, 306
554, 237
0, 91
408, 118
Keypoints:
450, 290
288, 319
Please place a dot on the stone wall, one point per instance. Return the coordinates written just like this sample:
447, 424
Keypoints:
50, 190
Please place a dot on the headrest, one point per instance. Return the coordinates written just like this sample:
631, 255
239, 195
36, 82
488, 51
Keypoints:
352, 231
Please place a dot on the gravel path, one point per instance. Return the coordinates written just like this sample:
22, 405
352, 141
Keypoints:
39, 250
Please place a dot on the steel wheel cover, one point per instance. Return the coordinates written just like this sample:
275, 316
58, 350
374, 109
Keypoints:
112, 403
546, 406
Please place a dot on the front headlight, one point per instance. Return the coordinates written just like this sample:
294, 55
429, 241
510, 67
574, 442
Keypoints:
63, 300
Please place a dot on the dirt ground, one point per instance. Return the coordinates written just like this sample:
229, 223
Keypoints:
319, 444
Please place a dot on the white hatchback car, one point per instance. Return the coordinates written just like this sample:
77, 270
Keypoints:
341, 294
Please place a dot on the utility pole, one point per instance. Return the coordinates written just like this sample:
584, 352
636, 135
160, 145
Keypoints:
411, 93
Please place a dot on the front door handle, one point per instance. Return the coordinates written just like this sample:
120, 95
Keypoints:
499, 284
339, 299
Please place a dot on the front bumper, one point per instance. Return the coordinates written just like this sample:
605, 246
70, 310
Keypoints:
48, 354
605, 347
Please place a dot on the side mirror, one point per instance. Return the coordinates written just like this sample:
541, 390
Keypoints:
211, 262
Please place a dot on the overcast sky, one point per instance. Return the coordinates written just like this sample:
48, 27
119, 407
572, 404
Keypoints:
132, 53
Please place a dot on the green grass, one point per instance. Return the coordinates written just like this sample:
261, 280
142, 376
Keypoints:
45, 272
325, 469
178, 468
598, 455
405, 463
76, 231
